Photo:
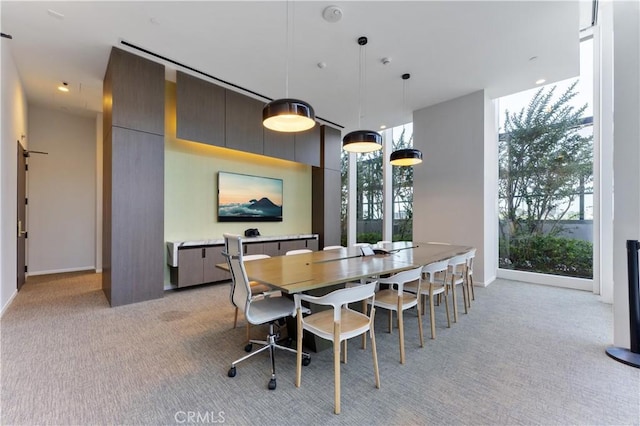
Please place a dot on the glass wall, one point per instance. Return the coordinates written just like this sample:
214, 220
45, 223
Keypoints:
546, 176
369, 188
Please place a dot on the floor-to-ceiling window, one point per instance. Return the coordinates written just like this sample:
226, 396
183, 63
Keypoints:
369, 187
546, 176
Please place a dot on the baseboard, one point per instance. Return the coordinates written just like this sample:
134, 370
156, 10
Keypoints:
545, 279
98, 271
485, 283
4, 308
62, 271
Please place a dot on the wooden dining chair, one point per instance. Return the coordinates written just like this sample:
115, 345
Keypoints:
395, 298
337, 325
471, 254
456, 277
432, 287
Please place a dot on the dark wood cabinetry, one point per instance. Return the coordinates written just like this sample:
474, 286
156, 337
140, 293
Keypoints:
307, 147
133, 179
325, 182
200, 110
279, 145
197, 264
244, 123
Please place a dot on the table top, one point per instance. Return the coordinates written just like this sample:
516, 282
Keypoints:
309, 271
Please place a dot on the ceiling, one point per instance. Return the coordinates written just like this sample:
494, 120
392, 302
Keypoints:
450, 48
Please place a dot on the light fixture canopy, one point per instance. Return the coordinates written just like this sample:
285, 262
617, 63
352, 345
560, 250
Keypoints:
288, 115
406, 157
362, 141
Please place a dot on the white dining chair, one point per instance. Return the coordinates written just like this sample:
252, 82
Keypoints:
431, 287
297, 251
395, 298
332, 247
337, 325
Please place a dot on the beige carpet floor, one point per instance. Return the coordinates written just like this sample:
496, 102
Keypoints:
524, 355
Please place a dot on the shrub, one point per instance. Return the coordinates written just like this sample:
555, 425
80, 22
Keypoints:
548, 254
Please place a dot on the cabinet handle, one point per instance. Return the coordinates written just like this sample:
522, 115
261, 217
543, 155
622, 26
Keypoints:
204, 253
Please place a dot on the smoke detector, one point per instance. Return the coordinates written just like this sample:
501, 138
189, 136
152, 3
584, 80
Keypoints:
332, 14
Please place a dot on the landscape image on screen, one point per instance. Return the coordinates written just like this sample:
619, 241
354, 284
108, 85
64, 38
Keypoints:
245, 198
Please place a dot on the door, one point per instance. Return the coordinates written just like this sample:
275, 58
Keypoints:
22, 209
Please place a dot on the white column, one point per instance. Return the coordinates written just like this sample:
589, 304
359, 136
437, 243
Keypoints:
387, 185
626, 158
351, 205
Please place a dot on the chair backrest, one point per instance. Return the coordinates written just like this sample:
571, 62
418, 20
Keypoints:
471, 254
458, 263
332, 247
379, 243
402, 278
432, 269
297, 251
240, 287
339, 298
361, 244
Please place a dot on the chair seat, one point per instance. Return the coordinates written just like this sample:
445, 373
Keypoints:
388, 299
413, 287
352, 324
270, 309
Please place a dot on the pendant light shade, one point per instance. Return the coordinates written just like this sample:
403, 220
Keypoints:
362, 141
406, 157
288, 115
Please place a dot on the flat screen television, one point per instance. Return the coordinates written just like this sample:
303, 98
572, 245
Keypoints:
246, 198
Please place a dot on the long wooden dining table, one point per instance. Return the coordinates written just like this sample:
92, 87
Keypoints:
315, 270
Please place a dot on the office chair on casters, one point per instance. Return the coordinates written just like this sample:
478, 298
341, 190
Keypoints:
261, 309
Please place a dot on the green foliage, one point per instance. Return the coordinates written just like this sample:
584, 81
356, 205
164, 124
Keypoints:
548, 254
544, 162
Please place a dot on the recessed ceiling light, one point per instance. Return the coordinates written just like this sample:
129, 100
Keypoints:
383, 127
64, 87
540, 81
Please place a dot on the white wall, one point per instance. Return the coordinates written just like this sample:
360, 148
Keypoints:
626, 157
452, 203
61, 191
13, 111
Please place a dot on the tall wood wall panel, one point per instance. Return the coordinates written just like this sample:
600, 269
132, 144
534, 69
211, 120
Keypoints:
133, 181
200, 110
326, 184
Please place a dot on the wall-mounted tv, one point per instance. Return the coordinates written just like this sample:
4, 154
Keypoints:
246, 198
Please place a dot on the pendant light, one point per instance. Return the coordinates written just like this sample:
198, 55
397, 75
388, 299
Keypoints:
288, 115
407, 156
362, 140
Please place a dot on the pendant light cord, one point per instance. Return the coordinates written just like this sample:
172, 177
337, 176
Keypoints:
362, 41
289, 51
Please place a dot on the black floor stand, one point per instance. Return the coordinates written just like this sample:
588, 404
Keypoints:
631, 356
625, 356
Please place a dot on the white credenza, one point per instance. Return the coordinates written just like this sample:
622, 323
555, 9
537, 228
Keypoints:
194, 262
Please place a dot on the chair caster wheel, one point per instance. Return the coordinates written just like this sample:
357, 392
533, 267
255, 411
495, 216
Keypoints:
306, 361
232, 372
248, 347
272, 384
